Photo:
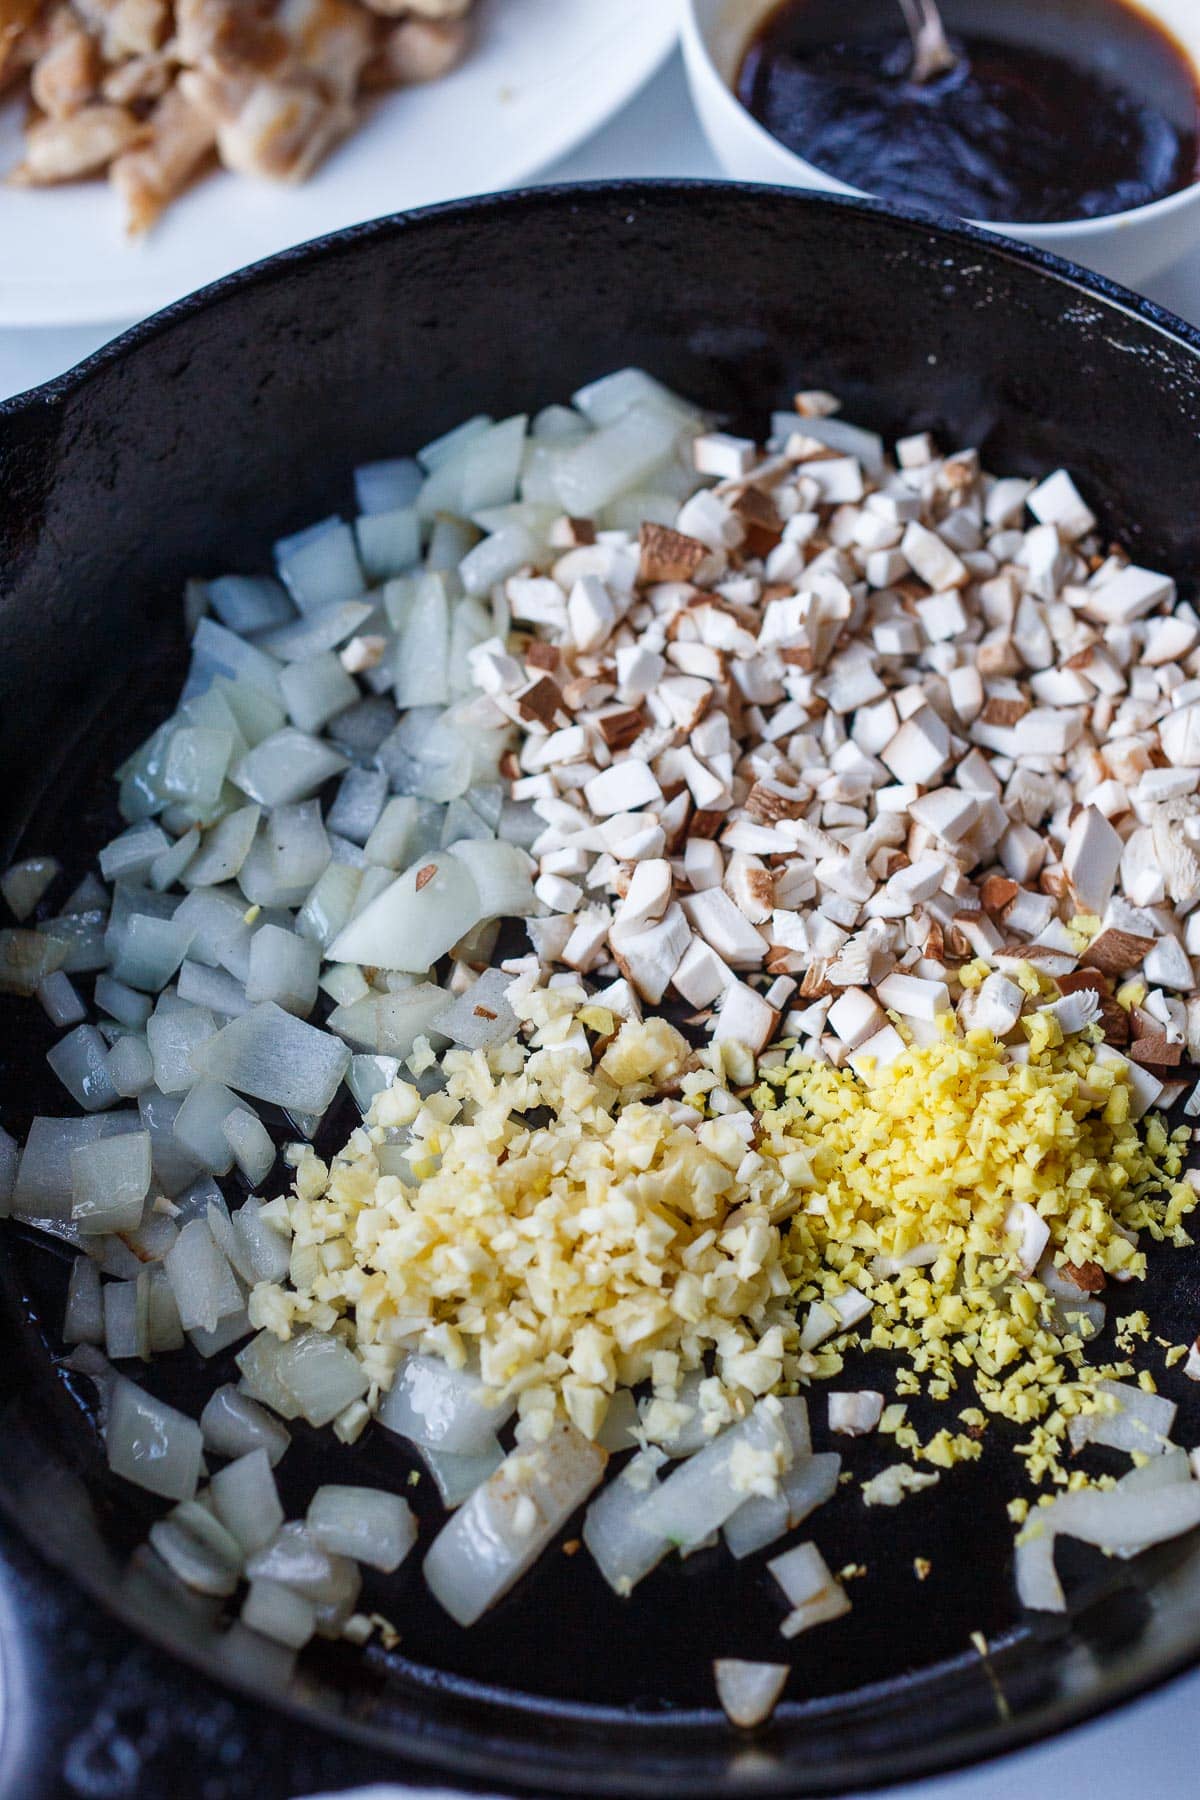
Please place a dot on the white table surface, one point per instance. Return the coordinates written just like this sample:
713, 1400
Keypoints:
1149, 1750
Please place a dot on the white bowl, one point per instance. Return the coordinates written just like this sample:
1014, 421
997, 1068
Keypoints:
1128, 246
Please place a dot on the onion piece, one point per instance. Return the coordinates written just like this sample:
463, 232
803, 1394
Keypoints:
248, 603
83, 1321
416, 919
42, 1189
199, 1126
618, 457
381, 487
24, 884
286, 767
175, 1032
216, 651
290, 853
457, 1477
496, 558
1122, 1521
279, 1613
361, 798
748, 1691
367, 1524
482, 1017
164, 1328
1141, 1421
251, 1143
321, 1374
232, 1425
167, 869
110, 1178
174, 1169
258, 1366
189, 1544
27, 958
283, 968
151, 952
319, 634
130, 1066
266, 1248
370, 1075
122, 1003
60, 1001
319, 565
503, 1528
503, 877
78, 1060
152, 1444
201, 1279
624, 1549
82, 941
247, 1502
294, 1557
132, 854
272, 1056
702, 1493
330, 904
434, 1405
213, 989
222, 852
388, 542
122, 1339
316, 690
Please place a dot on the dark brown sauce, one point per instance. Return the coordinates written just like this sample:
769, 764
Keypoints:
1058, 109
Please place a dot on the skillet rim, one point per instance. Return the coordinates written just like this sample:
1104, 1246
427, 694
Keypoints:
477, 1751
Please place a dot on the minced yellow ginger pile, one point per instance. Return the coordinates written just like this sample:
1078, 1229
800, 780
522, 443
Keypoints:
593, 1207
923, 1165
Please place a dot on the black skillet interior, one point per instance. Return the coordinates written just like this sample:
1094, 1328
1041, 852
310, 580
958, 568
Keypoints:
237, 417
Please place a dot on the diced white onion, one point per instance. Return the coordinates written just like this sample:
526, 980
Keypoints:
434, 1405
367, 1524
247, 1501
1141, 1421
83, 1321
624, 1549
201, 1279
748, 1691
457, 1477
110, 1178
152, 1444
78, 1060
232, 1425
272, 1056
279, 1613
416, 919
321, 1374
503, 1528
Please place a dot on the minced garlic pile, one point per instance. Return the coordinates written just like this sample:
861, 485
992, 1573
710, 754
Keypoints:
615, 1242
592, 1206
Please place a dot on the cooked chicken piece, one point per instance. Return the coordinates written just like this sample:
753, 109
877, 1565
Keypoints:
140, 78
270, 84
330, 40
276, 129
418, 50
149, 178
126, 27
426, 9
63, 149
230, 36
64, 76
17, 51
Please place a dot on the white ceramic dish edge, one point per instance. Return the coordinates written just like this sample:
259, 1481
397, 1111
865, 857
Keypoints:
1129, 247
545, 75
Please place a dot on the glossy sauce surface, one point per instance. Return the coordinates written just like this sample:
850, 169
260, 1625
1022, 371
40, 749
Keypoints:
1058, 109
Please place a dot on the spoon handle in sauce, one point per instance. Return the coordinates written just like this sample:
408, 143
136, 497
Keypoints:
932, 54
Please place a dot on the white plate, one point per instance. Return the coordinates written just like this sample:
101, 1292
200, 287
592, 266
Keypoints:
542, 76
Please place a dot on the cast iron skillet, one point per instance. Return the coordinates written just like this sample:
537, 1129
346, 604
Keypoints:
189, 445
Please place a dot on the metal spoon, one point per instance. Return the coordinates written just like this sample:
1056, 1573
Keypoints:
932, 54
